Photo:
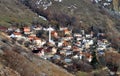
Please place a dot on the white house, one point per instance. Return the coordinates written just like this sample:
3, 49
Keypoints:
88, 35
68, 60
58, 0
101, 47
75, 57
60, 44
77, 35
17, 34
37, 41
79, 38
67, 38
37, 28
89, 58
90, 42
63, 28
26, 30
54, 50
17, 30
43, 42
12, 36
68, 53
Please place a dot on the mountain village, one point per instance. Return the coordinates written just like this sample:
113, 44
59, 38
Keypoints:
60, 38
61, 45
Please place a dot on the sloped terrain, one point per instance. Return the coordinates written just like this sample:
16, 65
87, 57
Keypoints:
13, 12
16, 60
78, 13
83, 10
7, 71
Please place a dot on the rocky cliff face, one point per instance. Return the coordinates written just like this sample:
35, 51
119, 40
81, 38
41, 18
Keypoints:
16, 60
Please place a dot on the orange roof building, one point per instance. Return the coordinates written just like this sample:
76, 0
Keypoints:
26, 30
66, 31
17, 34
36, 38
31, 37
54, 34
37, 41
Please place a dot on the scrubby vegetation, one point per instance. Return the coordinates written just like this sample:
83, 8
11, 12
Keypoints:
14, 13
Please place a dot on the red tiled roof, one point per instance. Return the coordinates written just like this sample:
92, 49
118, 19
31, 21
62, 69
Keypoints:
53, 32
26, 29
17, 33
66, 30
39, 49
36, 38
31, 37
48, 50
2, 28
87, 55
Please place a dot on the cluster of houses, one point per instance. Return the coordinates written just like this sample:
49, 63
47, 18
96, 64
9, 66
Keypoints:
62, 46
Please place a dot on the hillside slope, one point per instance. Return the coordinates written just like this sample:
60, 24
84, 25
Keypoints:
78, 13
15, 60
13, 12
